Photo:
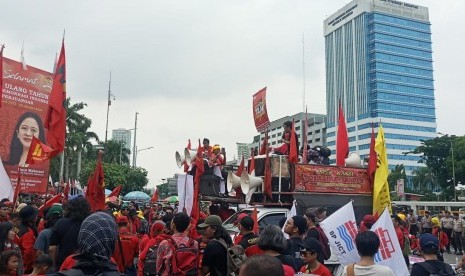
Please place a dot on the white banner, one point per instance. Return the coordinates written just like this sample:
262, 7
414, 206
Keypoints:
341, 229
6, 190
185, 192
291, 213
390, 253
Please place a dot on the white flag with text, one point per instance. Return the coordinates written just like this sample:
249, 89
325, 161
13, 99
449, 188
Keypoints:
390, 253
341, 229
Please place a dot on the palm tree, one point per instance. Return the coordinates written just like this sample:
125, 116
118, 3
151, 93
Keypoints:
424, 178
116, 152
78, 137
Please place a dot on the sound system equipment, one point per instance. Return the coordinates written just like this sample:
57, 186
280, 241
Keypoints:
210, 185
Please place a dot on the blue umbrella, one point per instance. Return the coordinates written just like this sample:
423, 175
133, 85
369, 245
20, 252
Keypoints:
107, 192
136, 195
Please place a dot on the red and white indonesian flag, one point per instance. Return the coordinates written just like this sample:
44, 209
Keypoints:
260, 114
390, 253
6, 190
341, 229
185, 192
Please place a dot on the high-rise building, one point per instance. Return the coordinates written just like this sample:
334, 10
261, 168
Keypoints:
316, 130
379, 67
122, 135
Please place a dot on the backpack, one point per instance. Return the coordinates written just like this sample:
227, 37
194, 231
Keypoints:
185, 258
235, 256
324, 243
445, 270
406, 249
150, 264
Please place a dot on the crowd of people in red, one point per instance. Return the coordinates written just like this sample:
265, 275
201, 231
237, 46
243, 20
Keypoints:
157, 240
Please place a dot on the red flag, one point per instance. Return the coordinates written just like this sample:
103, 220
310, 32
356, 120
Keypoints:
304, 139
293, 158
116, 191
38, 152
186, 167
95, 192
373, 158
1, 72
198, 172
154, 196
255, 220
267, 181
55, 121
265, 144
50, 202
252, 165
17, 188
342, 140
238, 173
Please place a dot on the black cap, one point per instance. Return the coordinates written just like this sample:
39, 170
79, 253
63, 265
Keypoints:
311, 245
247, 223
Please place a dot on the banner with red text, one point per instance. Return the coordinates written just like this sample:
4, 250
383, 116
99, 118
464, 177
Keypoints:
24, 106
260, 114
331, 179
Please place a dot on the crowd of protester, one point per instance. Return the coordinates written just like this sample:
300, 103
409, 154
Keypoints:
156, 239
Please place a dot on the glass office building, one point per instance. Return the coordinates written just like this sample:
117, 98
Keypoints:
379, 67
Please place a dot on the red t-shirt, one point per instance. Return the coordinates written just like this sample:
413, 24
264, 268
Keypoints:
130, 245
320, 270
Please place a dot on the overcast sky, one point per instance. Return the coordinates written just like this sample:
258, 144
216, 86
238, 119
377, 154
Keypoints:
190, 68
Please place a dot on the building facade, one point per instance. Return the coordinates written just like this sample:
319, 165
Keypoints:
379, 67
122, 135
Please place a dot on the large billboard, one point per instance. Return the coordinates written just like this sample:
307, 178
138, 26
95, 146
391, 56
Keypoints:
24, 106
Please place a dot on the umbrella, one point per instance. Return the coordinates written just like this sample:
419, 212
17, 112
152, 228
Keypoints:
136, 195
171, 199
107, 192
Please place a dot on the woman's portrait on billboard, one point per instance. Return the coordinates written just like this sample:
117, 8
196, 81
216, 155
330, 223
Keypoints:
28, 125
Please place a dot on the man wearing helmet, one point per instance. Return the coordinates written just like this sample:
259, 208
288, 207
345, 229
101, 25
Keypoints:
216, 161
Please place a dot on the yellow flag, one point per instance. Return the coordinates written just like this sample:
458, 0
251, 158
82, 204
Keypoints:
381, 197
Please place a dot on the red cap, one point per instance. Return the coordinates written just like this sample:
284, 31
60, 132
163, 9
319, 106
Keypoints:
120, 219
241, 216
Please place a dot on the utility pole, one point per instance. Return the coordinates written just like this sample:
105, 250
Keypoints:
134, 151
108, 106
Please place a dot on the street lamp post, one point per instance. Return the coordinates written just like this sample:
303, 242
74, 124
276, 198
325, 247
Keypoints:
134, 147
137, 152
453, 165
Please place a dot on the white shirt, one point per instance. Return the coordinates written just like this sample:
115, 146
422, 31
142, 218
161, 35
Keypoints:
375, 270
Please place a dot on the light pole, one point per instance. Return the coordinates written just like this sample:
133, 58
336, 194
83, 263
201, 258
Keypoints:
453, 164
137, 151
108, 106
134, 147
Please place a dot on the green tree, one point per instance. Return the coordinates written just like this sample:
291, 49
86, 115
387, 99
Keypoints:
131, 179
396, 174
78, 140
115, 152
437, 155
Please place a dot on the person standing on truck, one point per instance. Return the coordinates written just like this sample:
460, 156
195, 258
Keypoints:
286, 139
215, 161
295, 227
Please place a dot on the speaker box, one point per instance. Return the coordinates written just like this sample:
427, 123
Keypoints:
210, 185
